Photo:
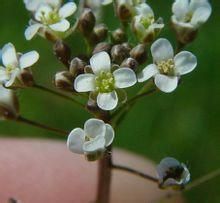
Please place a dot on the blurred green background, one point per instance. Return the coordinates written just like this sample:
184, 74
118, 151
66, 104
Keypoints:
184, 124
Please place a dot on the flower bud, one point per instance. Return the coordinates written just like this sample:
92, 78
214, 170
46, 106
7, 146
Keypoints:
77, 66
64, 80
62, 52
119, 53
102, 46
125, 10
139, 53
26, 78
130, 63
9, 106
86, 22
118, 36
100, 32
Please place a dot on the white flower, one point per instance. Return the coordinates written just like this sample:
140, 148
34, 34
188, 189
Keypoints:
103, 81
94, 138
191, 14
13, 63
51, 19
8, 104
172, 173
33, 5
144, 24
167, 68
97, 3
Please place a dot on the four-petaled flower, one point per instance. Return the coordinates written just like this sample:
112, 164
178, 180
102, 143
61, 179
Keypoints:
191, 14
13, 63
92, 140
172, 173
33, 5
50, 19
167, 68
103, 81
144, 24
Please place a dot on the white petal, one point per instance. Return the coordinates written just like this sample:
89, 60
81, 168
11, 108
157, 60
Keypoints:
100, 62
32, 30
185, 62
162, 50
124, 77
180, 8
107, 101
9, 56
94, 127
43, 10
32, 5
109, 135
3, 75
94, 145
147, 73
28, 59
145, 10
106, 2
67, 10
166, 83
85, 83
12, 78
61, 26
76, 140
201, 15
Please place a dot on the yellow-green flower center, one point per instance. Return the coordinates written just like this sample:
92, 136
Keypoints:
52, 18
147, 21
105, 82
166, 67
10, 69
188, 17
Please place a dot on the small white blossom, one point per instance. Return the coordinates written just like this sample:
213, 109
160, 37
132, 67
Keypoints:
13, 63
190, 14
33, 5
8, 104
167, 68
144, 24
94, 138
172, 173
50, 19
103, 81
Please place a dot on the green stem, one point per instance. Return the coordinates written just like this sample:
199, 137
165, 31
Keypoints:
39, 125
58, 94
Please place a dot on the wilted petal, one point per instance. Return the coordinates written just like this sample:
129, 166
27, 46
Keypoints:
85, 83
9, 55
94, 145
147, 73
100, 62
201, 15
28, 59
124, 77
94, 127
185, 62
109, 135
61, 26
32, 30
67, 10
166, 83
162, 50
75, 141
107, 101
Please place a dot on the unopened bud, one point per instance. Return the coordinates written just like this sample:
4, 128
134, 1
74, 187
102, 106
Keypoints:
100, 32
125, 10
86, 22
64, 80
102, 46
26, 78
9, 106
62, 52
118, 36
130, 63
119, 53
77, 66
139, 53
